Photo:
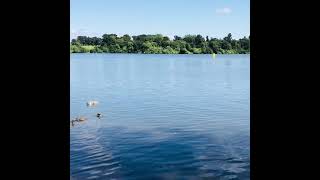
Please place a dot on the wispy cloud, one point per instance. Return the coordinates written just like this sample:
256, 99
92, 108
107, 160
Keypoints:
78, 32
225, 10
74, 33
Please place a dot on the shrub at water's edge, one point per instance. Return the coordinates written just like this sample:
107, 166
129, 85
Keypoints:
159, 44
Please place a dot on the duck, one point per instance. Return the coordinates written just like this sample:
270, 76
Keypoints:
78, 119
92, 103
99, 115
81, 119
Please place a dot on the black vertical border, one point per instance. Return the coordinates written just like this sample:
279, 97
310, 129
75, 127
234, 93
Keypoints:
36, 89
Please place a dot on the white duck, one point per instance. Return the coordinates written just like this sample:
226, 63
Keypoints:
92, 103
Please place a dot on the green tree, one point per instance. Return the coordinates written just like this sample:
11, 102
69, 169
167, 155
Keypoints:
190, 39
184, 51
177, 38
198, 41
156, 44
105, 49
228, 38
126, 38
109, 39
225, 45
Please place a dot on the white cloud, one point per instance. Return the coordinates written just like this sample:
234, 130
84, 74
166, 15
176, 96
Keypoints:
223, 10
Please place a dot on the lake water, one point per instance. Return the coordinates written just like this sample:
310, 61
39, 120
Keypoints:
164, 116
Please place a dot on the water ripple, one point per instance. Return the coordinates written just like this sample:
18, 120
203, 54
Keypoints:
178, 117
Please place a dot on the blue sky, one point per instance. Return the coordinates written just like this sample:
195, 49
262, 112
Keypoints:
213, 18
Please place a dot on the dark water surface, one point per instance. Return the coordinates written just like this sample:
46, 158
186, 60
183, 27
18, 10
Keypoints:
165, 116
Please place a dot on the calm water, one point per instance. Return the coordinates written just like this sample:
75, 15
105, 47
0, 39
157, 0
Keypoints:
165, 116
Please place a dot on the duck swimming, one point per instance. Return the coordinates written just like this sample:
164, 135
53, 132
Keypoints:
92, 103
81, 119
99, 115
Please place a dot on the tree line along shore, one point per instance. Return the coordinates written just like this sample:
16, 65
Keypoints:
159, 44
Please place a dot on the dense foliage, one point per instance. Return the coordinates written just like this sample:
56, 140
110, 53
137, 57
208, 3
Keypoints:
159, 44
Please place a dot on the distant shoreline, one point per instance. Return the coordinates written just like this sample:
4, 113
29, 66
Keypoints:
159, 44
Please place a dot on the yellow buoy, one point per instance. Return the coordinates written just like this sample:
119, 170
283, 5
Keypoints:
213, 55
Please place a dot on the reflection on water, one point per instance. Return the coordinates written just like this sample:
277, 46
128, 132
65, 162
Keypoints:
165, 117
